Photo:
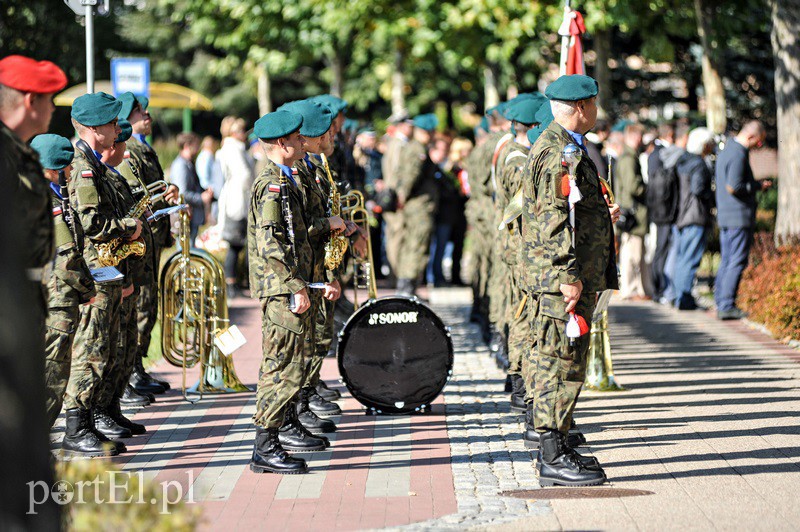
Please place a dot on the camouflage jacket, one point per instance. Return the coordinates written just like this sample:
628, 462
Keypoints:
277, 267
508, 178
145, 159
631, 191
547, 253
32, 216
69, 281
416, 174
316, 211
98, 207
479, 172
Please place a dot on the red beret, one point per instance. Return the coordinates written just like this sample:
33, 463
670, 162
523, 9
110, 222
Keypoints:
28, 75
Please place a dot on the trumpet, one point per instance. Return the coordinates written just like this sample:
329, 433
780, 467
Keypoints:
353, 209
154, 191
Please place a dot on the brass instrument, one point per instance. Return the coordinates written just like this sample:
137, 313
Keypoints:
599, 368
111, 253
154, 191
337, 245
353, 209
194, 312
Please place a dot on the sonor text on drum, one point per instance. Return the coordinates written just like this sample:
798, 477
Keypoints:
387, 318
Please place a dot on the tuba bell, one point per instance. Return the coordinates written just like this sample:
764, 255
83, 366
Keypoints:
194, 315
353, 209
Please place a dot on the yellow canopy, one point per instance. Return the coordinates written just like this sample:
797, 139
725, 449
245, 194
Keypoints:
162, 95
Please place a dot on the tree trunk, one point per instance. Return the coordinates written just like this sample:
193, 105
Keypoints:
491, 94
398, 81
602, 47
716, 108
264, 90
786, 48
337, 74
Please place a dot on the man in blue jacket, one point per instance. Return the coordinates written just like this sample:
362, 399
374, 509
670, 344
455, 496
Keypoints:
736, 214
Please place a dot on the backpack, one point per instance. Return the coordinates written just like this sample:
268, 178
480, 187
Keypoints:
662, 192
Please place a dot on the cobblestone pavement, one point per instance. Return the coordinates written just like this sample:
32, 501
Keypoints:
708, 426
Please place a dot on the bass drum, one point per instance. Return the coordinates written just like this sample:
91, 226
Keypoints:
395, 355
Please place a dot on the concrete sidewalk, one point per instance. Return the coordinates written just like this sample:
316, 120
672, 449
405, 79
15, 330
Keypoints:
708, 429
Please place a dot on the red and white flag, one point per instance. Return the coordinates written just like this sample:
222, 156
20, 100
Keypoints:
571, 45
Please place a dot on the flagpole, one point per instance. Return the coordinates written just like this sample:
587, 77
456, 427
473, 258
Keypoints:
562, 66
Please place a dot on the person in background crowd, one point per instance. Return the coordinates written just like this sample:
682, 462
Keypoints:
631, 192
368, 162
238, 172
460, 149
208, 172
447, 211
736, 214
594, 146
694, 213
183, 174
393, 221
662, 201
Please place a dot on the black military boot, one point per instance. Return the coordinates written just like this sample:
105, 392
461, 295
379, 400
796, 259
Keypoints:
318, 405
507, 386
575, 437
118, 444
115, 412
131, 397
161, 382
530, 437
270, 457
80, 441
312, 422
517, 393
107, 426
559, 466
142, 382
293, 436
326, 393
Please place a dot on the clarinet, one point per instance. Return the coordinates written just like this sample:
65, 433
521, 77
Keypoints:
66, 210
287, 212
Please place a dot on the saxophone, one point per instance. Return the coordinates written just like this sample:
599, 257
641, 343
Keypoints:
337, 245
111, 253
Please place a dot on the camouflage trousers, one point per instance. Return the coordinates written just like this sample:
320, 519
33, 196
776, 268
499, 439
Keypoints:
560, 366
415, 243
499, 289
120, 365
517, 326
95, 341
393, 230
286, 341
481, 258
147, 310
323, 335
62, 323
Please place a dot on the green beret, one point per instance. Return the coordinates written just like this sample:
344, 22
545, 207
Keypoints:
621, 125
336, 104
97, 109
544, 116
572, 88
523, 109
277, 125
317, 118
128, 103
126, 132
428, 122
499, 108
144, 101
55, 151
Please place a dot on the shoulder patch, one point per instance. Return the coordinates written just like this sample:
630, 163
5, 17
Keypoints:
274, 188
57, 211
87, 173
127, 155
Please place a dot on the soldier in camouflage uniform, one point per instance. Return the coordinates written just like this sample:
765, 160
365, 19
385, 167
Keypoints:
417, 195
142, 167
315, 184
509, 161
101, 212
108, 417
69, 282
393, 221
563, 277
27, 88
281, 266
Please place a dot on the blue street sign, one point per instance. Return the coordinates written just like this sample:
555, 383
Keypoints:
130, 74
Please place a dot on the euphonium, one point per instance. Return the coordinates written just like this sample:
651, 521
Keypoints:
353, 210
194, 309
337, 245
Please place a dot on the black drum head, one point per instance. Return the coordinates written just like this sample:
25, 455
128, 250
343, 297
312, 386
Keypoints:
395, 355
